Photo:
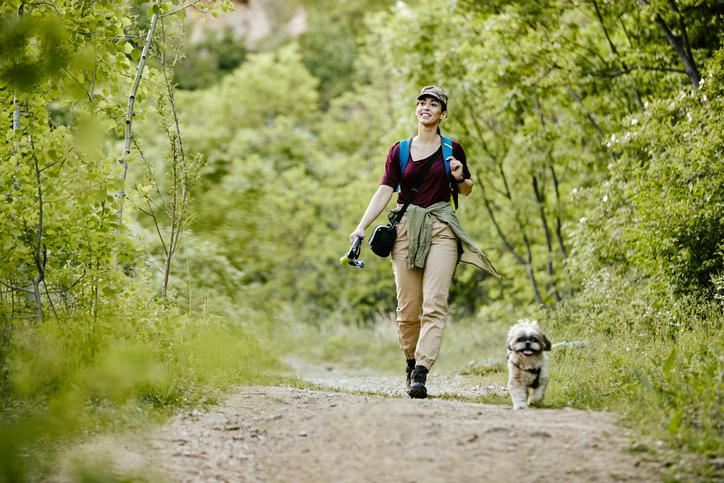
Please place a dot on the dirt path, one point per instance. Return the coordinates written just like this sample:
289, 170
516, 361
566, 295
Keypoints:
282, 434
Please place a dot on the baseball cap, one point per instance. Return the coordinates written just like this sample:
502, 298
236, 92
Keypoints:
434, 92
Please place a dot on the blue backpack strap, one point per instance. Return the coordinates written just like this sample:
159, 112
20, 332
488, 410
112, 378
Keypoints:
447, 151
404, 157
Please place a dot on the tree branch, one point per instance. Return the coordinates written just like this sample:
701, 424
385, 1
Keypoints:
507, 244
688, 61
593, 122
129, 113
546, 232
615, 52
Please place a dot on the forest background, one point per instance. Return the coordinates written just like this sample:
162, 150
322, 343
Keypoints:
151, 260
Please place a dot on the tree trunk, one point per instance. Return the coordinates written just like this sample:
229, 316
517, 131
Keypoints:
129, 114
685, 55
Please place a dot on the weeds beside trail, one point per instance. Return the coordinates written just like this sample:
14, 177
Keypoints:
76, 376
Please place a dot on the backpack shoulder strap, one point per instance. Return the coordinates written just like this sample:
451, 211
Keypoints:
404, 157
447, 151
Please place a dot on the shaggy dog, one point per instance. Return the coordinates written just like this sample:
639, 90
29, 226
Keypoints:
527, 363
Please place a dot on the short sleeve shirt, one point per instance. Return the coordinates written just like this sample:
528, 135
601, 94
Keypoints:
435, 187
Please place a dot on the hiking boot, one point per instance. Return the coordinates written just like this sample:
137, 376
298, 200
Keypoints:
417, 387
408, 372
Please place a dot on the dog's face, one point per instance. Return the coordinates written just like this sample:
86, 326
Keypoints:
526, 339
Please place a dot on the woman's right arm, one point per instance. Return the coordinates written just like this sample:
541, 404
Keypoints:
377, 204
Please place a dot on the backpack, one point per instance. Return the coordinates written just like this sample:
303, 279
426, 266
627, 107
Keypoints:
446, 153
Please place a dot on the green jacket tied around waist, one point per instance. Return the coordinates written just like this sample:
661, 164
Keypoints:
419, 232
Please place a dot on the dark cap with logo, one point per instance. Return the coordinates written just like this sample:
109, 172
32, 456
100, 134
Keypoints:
434, 92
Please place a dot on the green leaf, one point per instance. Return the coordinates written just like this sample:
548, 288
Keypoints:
669, 364
675, 423
136, 54
182, 13
644, 381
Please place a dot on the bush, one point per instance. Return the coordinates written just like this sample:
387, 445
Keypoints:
75, 375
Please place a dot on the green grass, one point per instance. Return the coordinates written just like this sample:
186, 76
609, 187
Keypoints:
375, 346
79, 376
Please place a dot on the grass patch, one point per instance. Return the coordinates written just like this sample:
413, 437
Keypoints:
82, 376
374, 346
655, 360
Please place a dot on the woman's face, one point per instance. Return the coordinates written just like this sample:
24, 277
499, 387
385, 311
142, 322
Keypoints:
429, 111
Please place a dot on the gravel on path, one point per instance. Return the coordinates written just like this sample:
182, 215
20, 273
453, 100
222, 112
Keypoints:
284, 434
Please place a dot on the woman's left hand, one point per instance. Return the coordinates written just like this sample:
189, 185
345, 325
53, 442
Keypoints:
456, 167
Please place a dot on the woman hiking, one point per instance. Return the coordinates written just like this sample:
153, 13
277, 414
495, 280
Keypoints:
430, 240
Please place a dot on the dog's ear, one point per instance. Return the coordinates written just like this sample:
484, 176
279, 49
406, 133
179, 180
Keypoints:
546, 343
507, 345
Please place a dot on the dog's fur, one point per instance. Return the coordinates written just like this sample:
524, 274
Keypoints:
527, 346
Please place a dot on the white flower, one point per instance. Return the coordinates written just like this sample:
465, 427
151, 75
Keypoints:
605, 198
582, 220
574, 191
634, 121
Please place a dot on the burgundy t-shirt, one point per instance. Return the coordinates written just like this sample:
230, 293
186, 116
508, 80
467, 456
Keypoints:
434, 188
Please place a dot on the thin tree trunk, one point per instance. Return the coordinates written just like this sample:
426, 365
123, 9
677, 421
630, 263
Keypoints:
546, 232
555, 186
686, 57
527, 263
558, 218
39, 262
593, 123
615, 52
129, 113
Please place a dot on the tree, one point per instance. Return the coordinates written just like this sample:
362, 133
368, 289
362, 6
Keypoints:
65, 69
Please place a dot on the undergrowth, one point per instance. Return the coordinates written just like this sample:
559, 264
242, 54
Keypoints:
82, 375
336, 342
655, 359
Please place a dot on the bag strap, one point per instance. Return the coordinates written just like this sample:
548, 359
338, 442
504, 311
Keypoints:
447, 151
414, 191
404, 156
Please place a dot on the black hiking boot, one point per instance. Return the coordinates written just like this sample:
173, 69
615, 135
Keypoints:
417, 388
408, 372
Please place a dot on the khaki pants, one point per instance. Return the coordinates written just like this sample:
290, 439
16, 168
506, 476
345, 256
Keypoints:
423, 289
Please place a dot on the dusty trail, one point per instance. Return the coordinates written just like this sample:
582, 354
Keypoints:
281, 434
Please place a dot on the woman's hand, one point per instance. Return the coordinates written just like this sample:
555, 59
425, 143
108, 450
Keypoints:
456, 167
353, 236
